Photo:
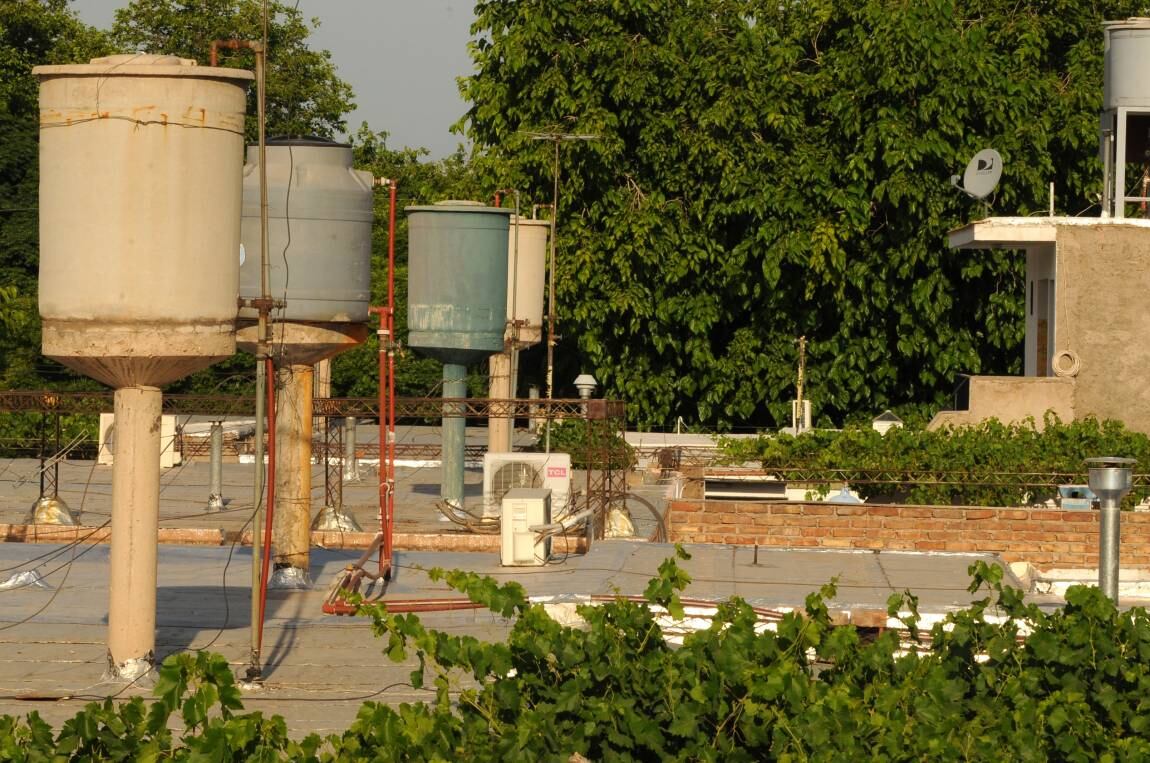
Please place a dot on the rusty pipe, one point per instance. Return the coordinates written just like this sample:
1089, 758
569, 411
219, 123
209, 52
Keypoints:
232, 44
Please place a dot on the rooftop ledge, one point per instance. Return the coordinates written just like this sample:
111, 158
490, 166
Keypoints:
1021, 232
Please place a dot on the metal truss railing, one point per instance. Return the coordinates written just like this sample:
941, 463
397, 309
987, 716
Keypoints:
363, 407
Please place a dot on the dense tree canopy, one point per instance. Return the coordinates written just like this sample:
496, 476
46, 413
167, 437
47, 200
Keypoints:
305, 95
765, 171
31, 33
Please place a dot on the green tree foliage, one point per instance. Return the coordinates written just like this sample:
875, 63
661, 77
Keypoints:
1000, 680
305, 96
988, 464
769, 170
32, 32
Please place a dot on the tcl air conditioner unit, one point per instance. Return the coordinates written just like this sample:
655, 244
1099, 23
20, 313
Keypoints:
522, 509
506, 471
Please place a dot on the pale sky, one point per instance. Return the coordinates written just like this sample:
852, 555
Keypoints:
402, 58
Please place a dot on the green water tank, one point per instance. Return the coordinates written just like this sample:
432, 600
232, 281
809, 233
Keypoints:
457, 280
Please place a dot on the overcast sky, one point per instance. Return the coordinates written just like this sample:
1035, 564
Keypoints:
402, 58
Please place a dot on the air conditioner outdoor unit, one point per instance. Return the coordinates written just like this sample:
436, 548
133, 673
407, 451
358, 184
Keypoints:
506, 471
524, 508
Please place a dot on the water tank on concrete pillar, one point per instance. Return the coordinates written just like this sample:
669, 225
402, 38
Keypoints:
525, 277
319, 231
140, 168
1126, 82
457, 280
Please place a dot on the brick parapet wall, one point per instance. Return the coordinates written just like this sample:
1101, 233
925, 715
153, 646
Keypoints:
1046, 539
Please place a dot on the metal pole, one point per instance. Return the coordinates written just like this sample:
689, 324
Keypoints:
551, 299
255, 667
216, 486
1108, 550
1110, 480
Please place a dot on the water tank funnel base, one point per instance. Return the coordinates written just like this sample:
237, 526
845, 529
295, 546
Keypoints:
133, 356
304, 343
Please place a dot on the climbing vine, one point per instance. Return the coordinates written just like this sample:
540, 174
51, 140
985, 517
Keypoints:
1000, 680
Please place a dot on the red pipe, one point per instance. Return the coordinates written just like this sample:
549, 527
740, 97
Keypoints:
214, 49
269, 366
387, 398
386, 548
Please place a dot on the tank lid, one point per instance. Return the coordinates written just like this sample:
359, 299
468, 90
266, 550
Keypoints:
142, 65
306, 140
529, 221
1134, 22
460, 205
142, 59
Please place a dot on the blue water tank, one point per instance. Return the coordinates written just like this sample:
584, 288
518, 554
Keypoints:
457, 280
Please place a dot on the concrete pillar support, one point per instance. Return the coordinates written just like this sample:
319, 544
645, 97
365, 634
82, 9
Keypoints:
499, 427
135, 522
291, 535
454, 435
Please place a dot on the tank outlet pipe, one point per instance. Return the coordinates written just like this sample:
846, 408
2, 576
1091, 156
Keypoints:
1110, 480
216, 479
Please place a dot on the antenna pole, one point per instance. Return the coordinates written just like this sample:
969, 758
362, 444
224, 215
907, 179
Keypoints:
798, 415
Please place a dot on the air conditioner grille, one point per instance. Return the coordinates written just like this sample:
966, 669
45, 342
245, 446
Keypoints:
514, 475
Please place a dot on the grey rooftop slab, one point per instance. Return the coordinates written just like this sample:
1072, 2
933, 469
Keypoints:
320, 668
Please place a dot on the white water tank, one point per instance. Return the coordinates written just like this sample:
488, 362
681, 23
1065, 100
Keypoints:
141, 160
526, 274
320, 212
1126, 82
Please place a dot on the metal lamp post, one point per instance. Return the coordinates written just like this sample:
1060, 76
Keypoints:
1110, 479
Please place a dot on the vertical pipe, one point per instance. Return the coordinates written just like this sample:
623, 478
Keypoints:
386, 546
256, 609
454, 435
551, 300
135, 524
216, 480
44, 454
291, 532
350, 462
56, 456
533, 409
269, 373
1108, 548
1107, 171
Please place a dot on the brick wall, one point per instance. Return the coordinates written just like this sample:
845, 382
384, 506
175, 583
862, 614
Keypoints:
1045, 539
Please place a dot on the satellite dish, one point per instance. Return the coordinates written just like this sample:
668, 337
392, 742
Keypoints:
982, 174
